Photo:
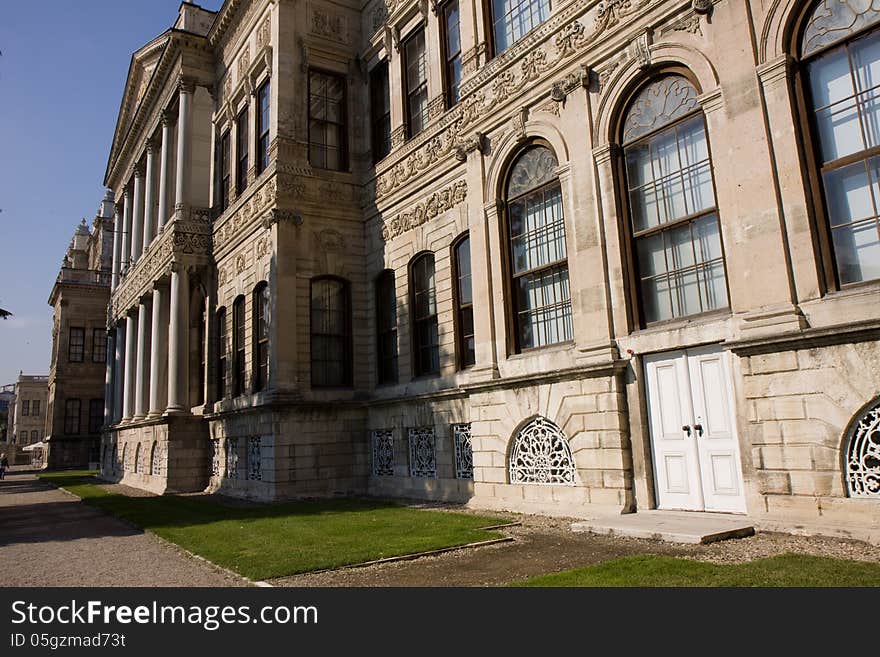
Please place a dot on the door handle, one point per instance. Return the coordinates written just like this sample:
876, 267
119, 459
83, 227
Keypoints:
687, 430
699, 429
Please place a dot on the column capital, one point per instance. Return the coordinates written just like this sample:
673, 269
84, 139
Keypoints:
167, 118
186, 85
138, 170
126, 193
150, 146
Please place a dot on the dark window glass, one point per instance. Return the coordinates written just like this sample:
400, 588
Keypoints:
380, 111
77, 345
263, 128
331, 332
71, 416
238, 342
416, 77
222, 350
241, 145
423, 296
451, 51
34, 434
678, 257
35, 408
224, 171
538, 256
846, 119
513, 19
261, 336
198, 328
386, 327
465, 304
327, 143
96, 415
25, 407
99, 345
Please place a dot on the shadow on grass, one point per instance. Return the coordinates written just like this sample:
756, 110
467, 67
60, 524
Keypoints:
274, 540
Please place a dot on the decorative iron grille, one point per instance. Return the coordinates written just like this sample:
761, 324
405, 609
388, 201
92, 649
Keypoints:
215, 458
156, 460
232, 458
863, 456
383, 453
140, 459
422, 453
541, 455
464, 454
255, 459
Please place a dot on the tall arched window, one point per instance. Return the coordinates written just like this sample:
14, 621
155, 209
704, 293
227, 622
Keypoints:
425, 332
238, 342
261, 336
464, 302
222, 348
541, 296
386, 327
331, 332
840, 45
677, 257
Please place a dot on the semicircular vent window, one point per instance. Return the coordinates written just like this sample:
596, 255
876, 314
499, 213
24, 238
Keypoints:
541, 455
863, 455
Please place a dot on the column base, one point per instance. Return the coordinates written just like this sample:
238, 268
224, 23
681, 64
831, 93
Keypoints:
176, 410
153, 415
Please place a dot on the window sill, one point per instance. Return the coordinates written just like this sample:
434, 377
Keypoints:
540, 351
683, 322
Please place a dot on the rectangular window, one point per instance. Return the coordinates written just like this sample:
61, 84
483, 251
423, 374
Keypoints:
426, 336
34, 436
238, 338
71, 416
380, 111
263, 127
386, 327
261, 337
96, 415
327, 142
513, 19
224, 171
241, 145
451, 51
24, 438
35, 408
464, 304
415, 62
99, 345
76, 345
222, 348
25, 406
330, 326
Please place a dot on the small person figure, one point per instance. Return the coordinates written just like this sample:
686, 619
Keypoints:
4, 463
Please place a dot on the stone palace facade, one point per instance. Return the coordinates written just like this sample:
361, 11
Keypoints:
571, 257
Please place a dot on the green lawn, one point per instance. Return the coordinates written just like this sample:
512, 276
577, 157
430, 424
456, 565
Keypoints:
653, 570
272, 540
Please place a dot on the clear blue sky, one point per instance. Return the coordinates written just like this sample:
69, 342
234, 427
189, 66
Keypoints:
62, 72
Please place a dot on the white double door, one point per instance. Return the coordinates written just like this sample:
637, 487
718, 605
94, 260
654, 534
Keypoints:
693, 431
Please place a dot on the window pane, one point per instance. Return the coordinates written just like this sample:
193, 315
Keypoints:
514, 18
544, 308
849, 194
857, 250
866, 64
836, 115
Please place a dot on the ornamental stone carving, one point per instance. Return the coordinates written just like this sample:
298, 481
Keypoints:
238, 221
329, 25
244, 63
239, 263
383, 453
863, 455
434, 205
540, 455
264, 34
331, 241
464, 455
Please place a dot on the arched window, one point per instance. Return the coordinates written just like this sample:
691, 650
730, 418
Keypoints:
423, 300
464, 302
156, 459
137, 458
541, 296
386, 327
261, 336
222, 349
863, 454
331, 332
238, 342
540, 454
840, 46
677, 257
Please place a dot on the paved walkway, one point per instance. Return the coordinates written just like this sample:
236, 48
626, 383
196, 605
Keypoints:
49, 538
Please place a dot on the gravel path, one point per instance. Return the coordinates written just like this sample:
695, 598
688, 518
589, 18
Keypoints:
49, 538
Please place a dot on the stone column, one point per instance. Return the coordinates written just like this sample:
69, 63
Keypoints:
184, 147
128, 390
117, 249
140, 377
178, 340
137, 222
164, 170
158, 352
150, 196
108, 378
125, 261
118, 371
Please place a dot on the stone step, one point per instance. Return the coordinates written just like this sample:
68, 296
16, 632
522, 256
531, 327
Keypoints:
670, 526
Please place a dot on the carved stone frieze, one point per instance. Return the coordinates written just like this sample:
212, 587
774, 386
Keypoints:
244, 63
689, 24
436, 107
496, 84
331, 241
238, 221
476, 142
264, 34
428, 209
277, 216
329, 25
398, 136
